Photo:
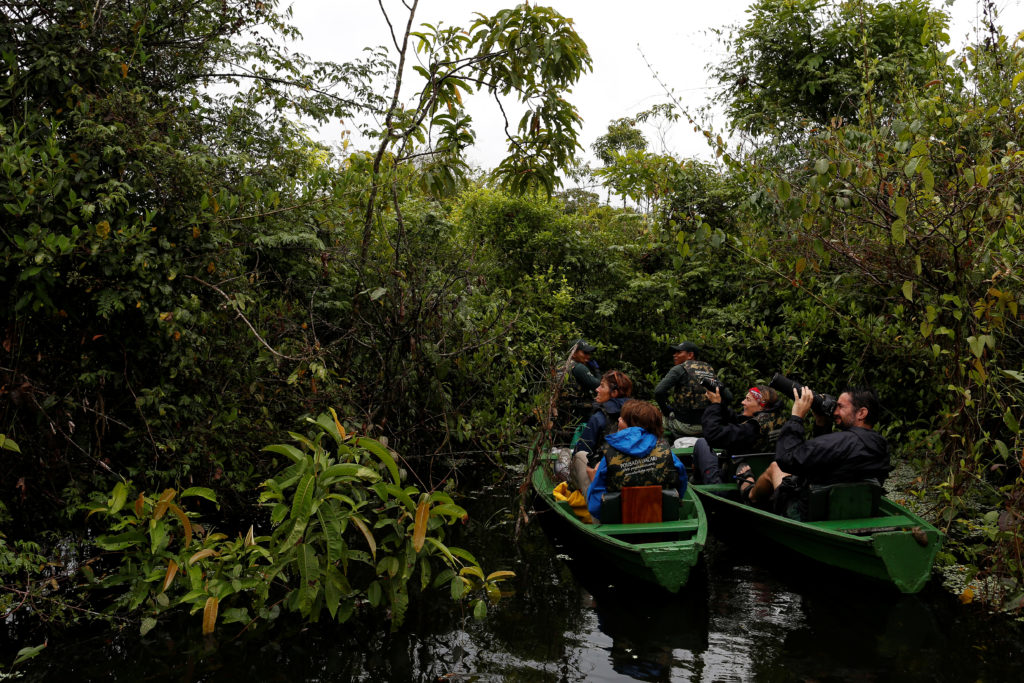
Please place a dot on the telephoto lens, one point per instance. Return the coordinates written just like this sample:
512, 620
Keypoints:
823, 404
785, 385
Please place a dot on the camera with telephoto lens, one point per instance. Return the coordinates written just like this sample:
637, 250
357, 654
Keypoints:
711, 384
823, 404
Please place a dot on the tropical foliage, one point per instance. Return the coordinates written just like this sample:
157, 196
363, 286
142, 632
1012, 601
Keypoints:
187, 273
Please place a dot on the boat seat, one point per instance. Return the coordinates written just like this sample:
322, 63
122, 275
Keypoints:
843, 501
639, 505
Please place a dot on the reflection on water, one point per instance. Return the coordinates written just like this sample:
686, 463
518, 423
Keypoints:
750, 613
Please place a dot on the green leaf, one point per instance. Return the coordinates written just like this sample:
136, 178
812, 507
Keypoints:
898, 231
1010, 420
452, 511
367, 534
399, 494
442, 548
200, 492
1019, 376
784, 190
26, 653
147, 625
928, 178
334, 581
464, 554
121, 541
899, 206
1001, 448
349, 469
287, 450
278, 514
480, 610
981, 175
373, 593
382, 454
330, 524
302, 503
309, 564
977, 345
908, 290
388, 565
117, 498
8, 444
821, 166
425, 572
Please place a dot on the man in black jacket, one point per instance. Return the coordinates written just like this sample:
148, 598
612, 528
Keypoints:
855, 453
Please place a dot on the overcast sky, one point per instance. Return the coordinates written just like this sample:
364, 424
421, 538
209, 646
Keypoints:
675, 35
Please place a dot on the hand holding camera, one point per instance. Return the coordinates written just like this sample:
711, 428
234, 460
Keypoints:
714, 389
802, 400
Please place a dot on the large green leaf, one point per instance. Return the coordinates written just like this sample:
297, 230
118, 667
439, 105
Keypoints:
309, 572
200, 492
117, 498
287, 450
121, 541
382, 454
302, 503
348, 469
330, 525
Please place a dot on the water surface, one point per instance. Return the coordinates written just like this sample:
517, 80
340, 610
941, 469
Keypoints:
751, 612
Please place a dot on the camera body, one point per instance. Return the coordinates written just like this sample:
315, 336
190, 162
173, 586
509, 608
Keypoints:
823, 404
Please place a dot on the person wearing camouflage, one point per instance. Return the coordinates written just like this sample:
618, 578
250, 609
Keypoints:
680, 395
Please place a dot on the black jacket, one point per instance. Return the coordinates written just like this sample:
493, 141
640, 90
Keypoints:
724, 429
849, 455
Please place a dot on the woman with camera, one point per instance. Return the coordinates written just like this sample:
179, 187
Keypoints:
752, 431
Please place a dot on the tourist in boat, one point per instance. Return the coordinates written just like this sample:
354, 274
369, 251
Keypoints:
632, 457
755, 430
680, 395
855, 453
613, 391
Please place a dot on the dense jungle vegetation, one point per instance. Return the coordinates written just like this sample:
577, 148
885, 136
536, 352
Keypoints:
188, 276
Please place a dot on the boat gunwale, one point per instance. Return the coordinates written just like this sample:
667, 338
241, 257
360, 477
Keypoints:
824, 526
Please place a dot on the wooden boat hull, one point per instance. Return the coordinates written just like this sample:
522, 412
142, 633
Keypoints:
661, 554
895, 546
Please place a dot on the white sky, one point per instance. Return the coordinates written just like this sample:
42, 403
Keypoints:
675, 35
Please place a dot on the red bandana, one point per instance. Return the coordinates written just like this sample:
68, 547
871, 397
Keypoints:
761, 401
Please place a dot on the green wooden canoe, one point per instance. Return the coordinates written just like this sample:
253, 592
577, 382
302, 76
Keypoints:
892, 544
662, 553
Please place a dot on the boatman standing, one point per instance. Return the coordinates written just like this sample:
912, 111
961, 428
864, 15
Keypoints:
679, 394
584, 368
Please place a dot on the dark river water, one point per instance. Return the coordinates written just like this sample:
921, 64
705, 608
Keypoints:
751, 612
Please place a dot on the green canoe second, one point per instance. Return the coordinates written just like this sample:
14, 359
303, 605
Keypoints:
660, 553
